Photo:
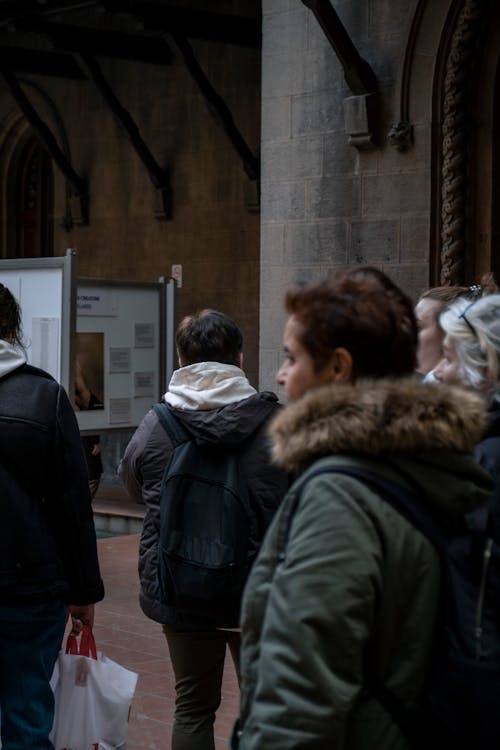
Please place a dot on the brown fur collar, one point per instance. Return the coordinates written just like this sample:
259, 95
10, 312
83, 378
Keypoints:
373, 417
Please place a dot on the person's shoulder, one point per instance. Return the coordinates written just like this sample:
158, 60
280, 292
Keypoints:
29, 371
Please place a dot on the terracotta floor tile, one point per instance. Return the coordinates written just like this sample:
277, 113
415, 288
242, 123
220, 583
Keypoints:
127, 636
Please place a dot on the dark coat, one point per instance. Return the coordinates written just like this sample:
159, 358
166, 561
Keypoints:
149, 451
487, 451
47, 537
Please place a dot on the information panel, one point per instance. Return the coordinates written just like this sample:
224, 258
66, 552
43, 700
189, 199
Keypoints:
119, 351
43, 288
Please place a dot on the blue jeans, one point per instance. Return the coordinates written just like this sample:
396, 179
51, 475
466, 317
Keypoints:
30, 639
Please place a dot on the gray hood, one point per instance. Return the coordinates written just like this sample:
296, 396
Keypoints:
10, 358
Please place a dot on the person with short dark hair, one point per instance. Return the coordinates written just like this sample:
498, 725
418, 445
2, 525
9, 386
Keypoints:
212, 398
48, 554
341, 603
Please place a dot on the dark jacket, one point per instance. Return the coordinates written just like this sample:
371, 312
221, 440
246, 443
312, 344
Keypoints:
47, 537
149, 451
487, 451
357, 589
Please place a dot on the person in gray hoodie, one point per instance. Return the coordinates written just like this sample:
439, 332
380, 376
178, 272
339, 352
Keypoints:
213, 400
48, 554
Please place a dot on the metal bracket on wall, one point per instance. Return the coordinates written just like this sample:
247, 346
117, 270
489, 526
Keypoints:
361, 109
159, 177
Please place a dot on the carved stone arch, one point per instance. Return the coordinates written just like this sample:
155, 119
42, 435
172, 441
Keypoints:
439, 80
456, 87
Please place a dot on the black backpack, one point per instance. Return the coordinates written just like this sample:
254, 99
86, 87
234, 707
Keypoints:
205, 524
460, 707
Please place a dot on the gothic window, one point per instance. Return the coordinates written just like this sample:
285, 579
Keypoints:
34, 202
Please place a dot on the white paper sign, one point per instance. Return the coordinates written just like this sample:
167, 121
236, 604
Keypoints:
119, 410
96, 302
144, 384
45, 345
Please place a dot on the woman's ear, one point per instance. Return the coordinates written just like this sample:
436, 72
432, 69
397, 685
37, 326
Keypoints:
181, 363
240, 362
342, 366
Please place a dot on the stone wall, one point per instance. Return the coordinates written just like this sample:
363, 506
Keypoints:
325, 204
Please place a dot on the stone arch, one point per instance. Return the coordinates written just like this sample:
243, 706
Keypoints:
438, 86
15, 133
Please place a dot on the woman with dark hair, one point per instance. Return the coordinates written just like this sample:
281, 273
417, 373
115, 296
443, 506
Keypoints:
344, 593
48, 556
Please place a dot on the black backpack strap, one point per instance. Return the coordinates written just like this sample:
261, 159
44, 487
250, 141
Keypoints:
172, 426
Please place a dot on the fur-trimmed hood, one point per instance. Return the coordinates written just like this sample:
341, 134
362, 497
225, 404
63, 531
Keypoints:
374, 417
426, 430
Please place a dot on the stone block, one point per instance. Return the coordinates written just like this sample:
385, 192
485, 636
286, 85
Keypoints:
295, 159
360, 116
285, 33
388, 18
374, 242
270, 362
412, 279
317, 113
272, 243
332, 198
276, 6
276, 119
340, 158
282, 201
316, 242
414, 239
389, 194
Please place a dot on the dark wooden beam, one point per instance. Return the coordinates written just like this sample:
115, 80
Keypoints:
159, 177
192, 23
218, 107
39, 62
357, 72
13, 9
77, 183
141, 48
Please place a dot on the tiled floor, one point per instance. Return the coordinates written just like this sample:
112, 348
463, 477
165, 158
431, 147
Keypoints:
124, 634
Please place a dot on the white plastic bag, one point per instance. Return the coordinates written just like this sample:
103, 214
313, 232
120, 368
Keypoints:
93, 696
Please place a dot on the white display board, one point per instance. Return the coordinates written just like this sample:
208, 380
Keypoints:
118, 336
44, 289
120, 348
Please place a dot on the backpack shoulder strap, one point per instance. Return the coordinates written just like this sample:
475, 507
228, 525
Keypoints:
172, 426
399, 496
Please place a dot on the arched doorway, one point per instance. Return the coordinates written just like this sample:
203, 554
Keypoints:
467, 144
34, 202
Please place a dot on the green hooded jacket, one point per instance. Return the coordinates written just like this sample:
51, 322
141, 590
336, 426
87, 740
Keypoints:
357, 589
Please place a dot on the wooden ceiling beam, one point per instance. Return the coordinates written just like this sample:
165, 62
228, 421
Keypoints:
81, 39
218, 108
10, 10
159, 177
39, 62
191, 22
